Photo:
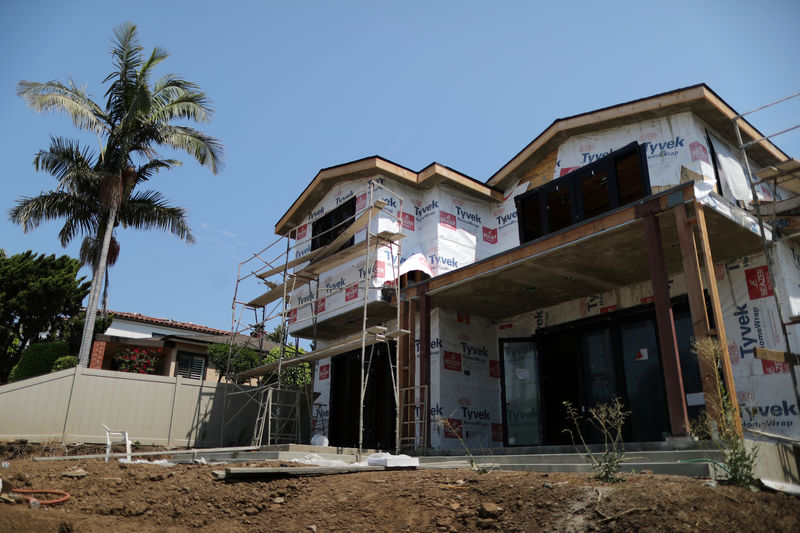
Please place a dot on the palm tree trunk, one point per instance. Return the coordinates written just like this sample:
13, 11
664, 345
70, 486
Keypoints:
94, 294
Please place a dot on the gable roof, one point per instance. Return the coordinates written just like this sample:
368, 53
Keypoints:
698, 99
430, 176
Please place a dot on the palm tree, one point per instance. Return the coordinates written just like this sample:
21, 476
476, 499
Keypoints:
96, 192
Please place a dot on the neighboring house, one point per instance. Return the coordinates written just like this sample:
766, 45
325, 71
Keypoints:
184, 344
580, 271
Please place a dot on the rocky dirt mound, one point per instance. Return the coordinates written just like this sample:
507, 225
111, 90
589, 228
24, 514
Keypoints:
150, 497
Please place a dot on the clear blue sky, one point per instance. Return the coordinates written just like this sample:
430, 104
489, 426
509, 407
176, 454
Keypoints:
299, 86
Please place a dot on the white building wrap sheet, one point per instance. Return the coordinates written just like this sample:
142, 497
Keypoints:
671, 142
764, 388
465, 382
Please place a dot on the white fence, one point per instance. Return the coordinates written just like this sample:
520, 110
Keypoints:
69, 406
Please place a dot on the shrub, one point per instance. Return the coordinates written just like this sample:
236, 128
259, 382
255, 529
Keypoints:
722, 423
38, 359
139, 360
62, 363
608, 419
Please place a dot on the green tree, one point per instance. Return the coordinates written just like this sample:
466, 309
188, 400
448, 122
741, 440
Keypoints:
244, 358
97, 192
38, 294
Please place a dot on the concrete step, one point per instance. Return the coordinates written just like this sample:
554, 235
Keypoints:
672, 456
675, 469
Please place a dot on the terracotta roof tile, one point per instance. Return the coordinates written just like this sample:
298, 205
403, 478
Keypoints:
167, 322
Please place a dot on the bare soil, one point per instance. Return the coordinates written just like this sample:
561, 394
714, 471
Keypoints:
150, 498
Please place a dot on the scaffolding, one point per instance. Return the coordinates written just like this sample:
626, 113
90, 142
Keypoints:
290, 265
785, 174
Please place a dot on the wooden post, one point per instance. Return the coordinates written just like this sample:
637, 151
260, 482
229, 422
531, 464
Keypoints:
697, 306
403, 372
716, 308
670, 359
425, 354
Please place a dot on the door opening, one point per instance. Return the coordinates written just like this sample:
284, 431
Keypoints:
379, 407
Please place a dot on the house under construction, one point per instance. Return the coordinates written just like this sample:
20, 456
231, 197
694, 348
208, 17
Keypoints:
442, 308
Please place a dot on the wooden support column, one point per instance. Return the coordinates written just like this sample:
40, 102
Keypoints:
405, 378
697, 305
425, 353
412, 368
670, 359
716, 308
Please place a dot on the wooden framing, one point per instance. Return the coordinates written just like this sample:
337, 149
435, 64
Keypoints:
697, 305
727, 371
670, 358
777, 356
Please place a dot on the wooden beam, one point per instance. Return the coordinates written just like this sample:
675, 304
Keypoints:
716, 307
697, 306
670, 358
327, 262
425, 354
357, 225
345, 345
777, 356
310, 256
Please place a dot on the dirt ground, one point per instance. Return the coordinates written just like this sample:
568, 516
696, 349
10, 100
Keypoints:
151, 497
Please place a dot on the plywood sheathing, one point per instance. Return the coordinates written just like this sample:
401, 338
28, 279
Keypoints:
542, 172
697, 99
599, 255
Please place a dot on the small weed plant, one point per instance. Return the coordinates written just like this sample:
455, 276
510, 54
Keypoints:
448, 428
722, 426
608, 419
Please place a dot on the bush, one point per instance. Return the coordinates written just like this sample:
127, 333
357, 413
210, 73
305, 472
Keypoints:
62, 363
38, 359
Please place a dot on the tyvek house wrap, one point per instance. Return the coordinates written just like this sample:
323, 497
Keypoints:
444, 229
465, 382
670, 143
764, 388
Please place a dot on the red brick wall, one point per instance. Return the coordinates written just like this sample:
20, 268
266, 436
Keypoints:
98, 353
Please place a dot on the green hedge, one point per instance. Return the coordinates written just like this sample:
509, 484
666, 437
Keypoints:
62, 363
38, 359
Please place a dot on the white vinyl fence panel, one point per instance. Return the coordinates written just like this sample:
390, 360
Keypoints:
71, 406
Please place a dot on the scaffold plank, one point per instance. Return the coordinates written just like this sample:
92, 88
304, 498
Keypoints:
291, 264
345, 345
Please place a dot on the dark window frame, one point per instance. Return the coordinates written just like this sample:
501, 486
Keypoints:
572, 182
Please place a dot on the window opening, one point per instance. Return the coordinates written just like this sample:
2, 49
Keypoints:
191, 366
325, 230
617, 179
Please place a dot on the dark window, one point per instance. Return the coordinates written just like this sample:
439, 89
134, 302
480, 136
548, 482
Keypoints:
559, 212
595, 195
191, 366
618, 179
330, 226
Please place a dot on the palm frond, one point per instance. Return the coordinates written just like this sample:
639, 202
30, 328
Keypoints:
149, 210
127, 58
67, 162
72, 100
79, 214
146, 171
156, 56
206, 150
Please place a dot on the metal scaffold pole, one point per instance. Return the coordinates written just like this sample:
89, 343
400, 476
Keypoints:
769, 245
